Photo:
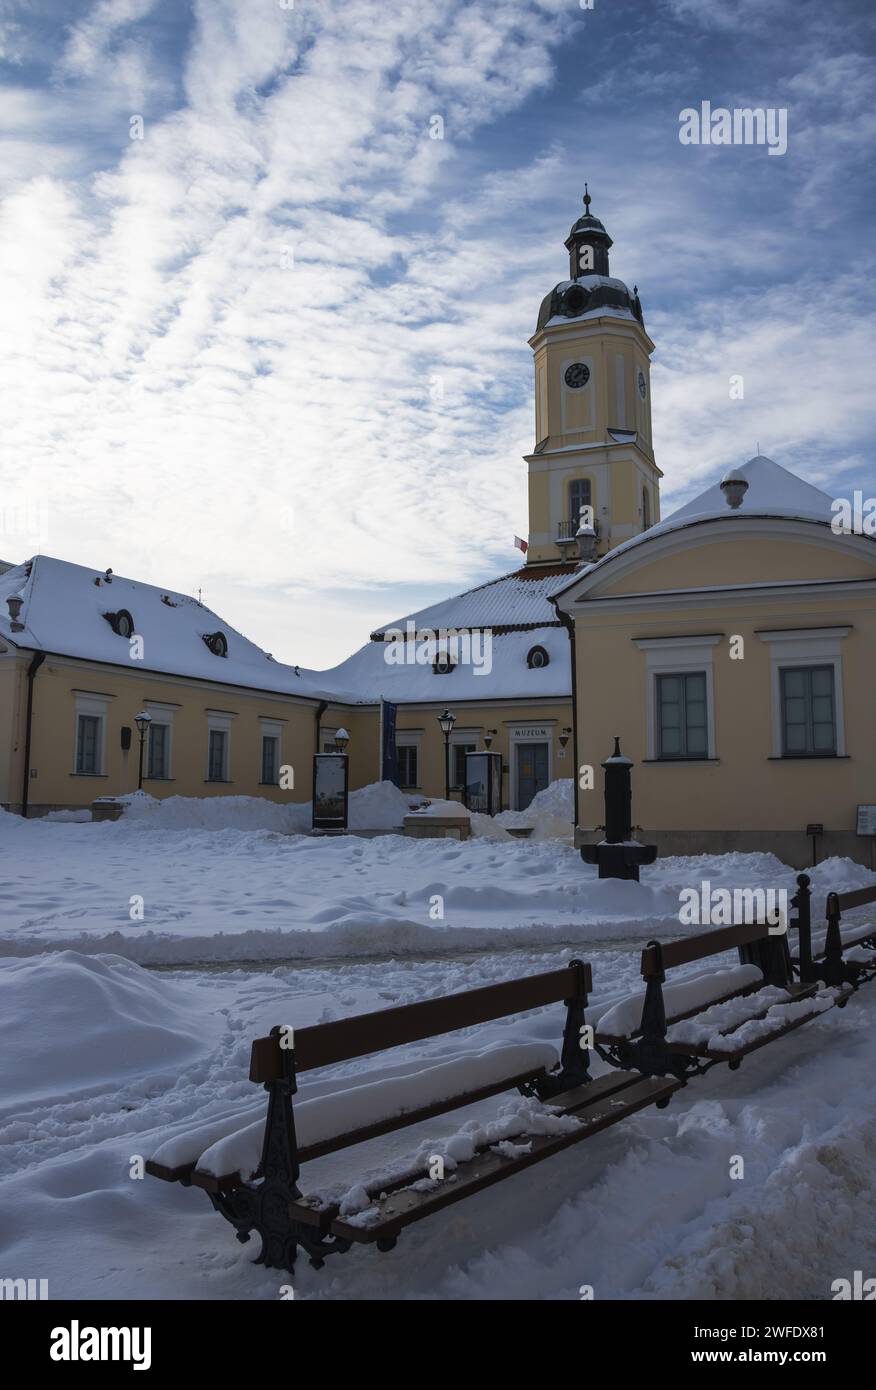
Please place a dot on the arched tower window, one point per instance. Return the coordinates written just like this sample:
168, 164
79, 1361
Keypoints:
580, 495
646, 509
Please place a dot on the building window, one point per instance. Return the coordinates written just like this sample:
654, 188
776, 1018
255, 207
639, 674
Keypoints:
88, 744
217, 642
681, 715
457, 763
808, 711
407, 765
537, 657
580, 494
217, 762
270, 760
158, 766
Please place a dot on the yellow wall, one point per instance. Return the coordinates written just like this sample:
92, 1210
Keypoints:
552, 715
746, 787
54, 732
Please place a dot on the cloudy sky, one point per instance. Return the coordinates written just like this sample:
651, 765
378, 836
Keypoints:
276, 348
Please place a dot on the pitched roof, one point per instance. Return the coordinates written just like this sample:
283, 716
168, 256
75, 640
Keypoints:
64, 612
372, 670
512, 600
773, 491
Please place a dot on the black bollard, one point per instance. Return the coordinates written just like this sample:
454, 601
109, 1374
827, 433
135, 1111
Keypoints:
618, 855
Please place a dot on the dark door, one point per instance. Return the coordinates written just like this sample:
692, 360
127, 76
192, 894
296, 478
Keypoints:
532, 771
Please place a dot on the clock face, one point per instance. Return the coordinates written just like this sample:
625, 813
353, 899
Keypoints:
643, 385
577, 375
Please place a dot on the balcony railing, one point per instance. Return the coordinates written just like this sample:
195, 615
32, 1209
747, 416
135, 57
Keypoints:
568, 530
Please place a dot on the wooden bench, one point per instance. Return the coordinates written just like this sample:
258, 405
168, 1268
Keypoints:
838, 957
718, 1017
264, 1194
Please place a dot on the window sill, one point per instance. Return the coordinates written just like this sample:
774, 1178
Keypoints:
681, 762
217, 781
89, 774
159, 779
268, 784
810, 757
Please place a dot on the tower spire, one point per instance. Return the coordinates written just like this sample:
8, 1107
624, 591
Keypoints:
588, 244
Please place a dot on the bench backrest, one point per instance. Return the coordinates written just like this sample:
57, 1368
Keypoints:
658, 957
347, 1038
859, 897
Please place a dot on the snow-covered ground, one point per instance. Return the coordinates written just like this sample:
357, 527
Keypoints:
102, 1059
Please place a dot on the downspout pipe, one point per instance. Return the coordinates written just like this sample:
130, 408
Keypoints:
569, 624
36, 662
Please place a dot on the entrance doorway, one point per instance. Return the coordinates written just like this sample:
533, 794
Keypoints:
532, 771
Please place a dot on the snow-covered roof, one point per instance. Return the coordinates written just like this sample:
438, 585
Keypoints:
63, 612
772, 491
512, 599
373, 673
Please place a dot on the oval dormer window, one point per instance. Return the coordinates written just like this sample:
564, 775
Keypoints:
537, 657
217, 642
121, 623
443, 664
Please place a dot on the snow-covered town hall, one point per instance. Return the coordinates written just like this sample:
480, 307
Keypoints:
730, 645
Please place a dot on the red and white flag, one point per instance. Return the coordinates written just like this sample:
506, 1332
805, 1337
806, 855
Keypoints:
521, 545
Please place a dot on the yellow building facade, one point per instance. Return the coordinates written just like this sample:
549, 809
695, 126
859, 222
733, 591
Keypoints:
740, 643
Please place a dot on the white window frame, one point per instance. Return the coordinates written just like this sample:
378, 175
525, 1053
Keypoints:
161, 714
667, 656
406, 738
464, 737
219, 721
94, 706
813, 646
270, 728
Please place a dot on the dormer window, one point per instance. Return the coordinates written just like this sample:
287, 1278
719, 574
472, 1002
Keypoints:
443, 664
121, 623
537, 657
217, 642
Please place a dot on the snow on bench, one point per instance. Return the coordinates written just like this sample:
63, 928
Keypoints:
624, 1019
360, 1106
726, 1027
251, 1171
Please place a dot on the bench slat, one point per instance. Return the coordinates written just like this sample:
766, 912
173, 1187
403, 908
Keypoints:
399, 1208
344, 1039
858, 897
691, 948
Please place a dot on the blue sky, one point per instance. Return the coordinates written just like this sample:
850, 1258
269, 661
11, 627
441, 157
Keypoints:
277, 350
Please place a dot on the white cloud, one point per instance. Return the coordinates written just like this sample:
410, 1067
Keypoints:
278, 348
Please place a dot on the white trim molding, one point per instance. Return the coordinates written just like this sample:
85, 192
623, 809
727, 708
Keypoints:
96, 706
665, 656
806, 646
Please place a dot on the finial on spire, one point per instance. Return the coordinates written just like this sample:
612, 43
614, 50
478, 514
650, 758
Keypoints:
587, 200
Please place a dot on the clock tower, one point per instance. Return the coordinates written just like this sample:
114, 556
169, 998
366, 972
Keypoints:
592, 407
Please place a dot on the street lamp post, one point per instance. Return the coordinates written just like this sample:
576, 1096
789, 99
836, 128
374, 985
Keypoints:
447, 721
142, 720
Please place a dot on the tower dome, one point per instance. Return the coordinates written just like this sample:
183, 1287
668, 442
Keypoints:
590, 287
